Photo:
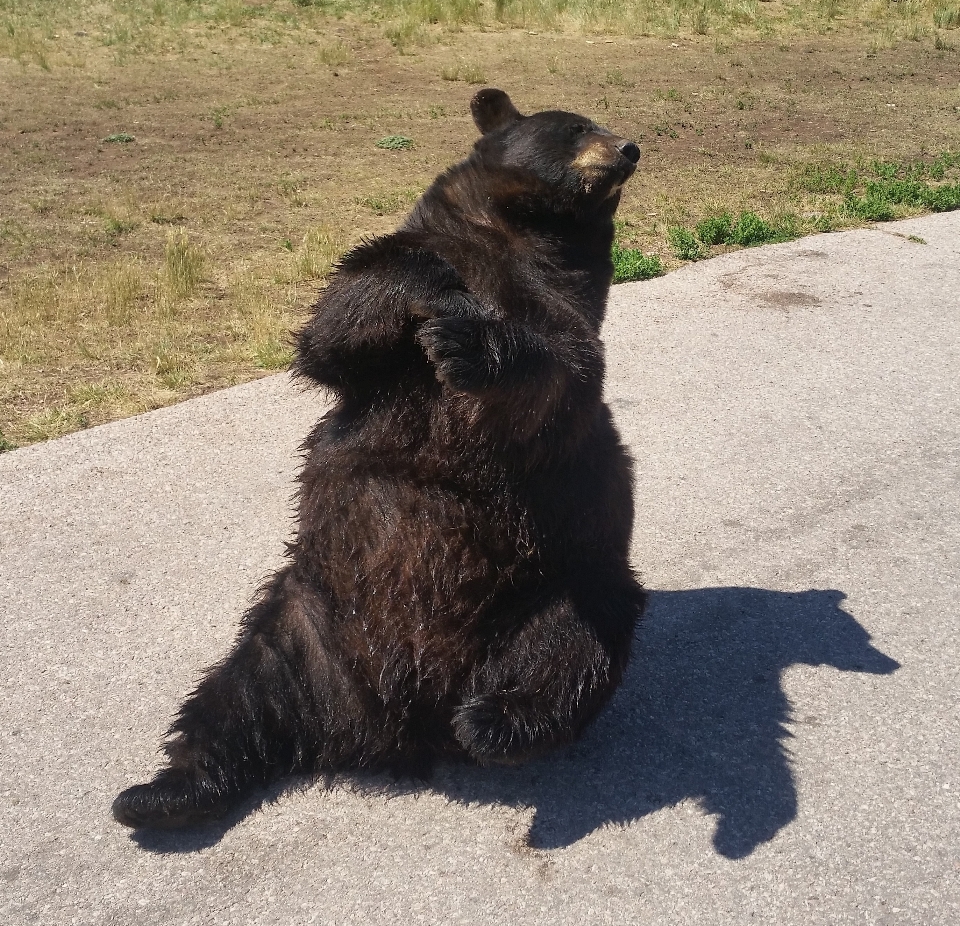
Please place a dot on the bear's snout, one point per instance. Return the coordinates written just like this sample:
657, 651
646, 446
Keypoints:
629, 150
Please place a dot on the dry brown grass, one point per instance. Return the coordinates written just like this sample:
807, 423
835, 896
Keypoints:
138, 272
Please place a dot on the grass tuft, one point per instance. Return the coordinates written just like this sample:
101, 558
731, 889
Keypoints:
715, 229
334, 55
183, 265
395, 142
684, 243
630, 264
468, 73
317, 253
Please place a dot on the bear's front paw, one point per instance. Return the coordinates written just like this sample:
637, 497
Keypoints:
174, 798
459, 349
494, 730
450, 303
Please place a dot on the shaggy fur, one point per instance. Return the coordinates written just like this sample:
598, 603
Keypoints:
459, 584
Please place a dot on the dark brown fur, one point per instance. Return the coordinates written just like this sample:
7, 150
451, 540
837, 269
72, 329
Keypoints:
460, 583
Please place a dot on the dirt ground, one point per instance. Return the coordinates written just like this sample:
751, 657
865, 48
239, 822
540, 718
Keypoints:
260, 159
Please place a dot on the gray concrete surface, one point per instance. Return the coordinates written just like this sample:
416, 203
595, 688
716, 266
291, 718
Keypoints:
785, 749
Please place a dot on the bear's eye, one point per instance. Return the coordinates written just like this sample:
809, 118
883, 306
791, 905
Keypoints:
579, 129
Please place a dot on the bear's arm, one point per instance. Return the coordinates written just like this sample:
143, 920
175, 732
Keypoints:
532, 376
361, 335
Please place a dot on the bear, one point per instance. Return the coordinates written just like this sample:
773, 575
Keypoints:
459, 583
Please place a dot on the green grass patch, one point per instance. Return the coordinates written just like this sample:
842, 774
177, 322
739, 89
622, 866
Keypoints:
872, 191
750, 230
715, 229
395, 142
746, 230
843, 194
629, 264
389, 203
684, 243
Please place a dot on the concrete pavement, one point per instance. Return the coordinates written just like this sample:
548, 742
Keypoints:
785, 749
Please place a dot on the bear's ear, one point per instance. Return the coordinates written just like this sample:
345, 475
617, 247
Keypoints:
492, 109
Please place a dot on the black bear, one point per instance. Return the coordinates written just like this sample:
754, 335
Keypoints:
459, 585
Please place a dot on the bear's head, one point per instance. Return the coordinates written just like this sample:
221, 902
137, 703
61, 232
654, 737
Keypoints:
574, 164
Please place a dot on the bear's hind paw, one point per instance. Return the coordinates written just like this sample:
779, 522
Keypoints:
173, 799
494, 731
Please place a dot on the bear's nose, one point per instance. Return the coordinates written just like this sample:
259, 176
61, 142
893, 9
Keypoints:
630, 151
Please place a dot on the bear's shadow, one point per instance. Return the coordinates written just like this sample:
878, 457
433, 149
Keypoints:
701, 715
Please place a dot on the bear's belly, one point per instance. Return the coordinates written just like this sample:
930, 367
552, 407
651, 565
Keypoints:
414, 573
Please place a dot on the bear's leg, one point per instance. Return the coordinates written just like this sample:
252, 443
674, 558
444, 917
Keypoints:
264, 711
545, 684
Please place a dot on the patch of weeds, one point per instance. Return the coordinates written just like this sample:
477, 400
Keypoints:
401, 35
41, 206
54, 422
272, 355
171, 367
120, 138
290, 187
700, 20
616, 78
630, 264
750, 230
915, 32
871, 192
463, 71
684, 243
97, 395
747, 230
946, 16
320, 247
388, 203
868, 208
664, 128
23, 45
116, 227
159, 218
826, 179
943, 198
183, 265
940, 43
830, 9
334, 55
13, 232
218, 115
395, 142
715, 229
827, 221
123, 286
6, 445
